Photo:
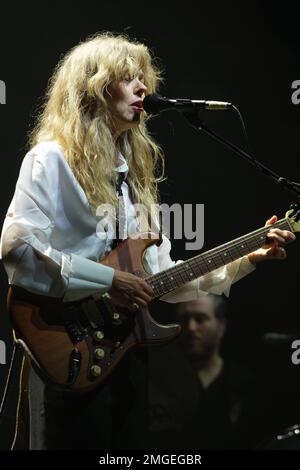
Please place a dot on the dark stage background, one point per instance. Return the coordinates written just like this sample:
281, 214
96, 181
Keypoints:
248, 55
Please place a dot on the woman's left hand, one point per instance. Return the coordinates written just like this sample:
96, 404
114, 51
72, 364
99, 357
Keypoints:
275, 249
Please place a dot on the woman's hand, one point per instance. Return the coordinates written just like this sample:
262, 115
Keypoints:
130, 291
275, 249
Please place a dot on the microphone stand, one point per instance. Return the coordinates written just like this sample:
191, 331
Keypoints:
198, 123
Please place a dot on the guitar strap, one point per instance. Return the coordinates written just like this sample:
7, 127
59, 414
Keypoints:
121, 225
120, 212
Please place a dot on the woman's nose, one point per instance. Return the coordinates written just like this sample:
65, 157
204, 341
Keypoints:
140, 88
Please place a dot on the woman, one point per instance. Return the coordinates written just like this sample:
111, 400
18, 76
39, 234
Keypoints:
90, 131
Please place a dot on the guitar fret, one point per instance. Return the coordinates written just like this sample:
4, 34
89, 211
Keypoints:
156, 287
240, 250
160, 286
211, 262
186, 272
190, 272
182, 273
164, 281
167, 281
178, 278
207, 264
193, 270
252, 244
220, 260
197, 268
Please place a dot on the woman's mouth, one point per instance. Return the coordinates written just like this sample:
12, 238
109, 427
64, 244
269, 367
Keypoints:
138, 106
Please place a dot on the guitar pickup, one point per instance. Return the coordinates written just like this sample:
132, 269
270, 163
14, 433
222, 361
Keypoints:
92, 312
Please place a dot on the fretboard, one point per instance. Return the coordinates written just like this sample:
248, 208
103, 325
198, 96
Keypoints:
176, 276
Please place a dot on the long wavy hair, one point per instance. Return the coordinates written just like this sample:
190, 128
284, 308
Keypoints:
75, 114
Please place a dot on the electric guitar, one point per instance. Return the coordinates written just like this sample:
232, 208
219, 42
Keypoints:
75, 345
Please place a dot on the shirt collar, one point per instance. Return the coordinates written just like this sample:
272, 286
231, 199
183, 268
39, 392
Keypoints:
122, 165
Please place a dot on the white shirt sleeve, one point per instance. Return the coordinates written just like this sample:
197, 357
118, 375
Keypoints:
218, 281
26, 247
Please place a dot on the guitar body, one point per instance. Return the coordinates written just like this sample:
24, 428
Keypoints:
75, 345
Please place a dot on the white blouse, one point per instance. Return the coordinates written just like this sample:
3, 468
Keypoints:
50, 241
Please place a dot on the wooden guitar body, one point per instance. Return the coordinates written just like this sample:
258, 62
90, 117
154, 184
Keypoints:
75, 345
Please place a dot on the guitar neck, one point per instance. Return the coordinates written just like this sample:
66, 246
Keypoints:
176, 276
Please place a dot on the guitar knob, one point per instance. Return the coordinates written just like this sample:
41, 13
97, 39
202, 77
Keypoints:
116, 316
95, 370
99, 354
98, 336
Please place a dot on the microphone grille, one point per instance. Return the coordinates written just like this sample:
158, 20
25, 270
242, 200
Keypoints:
154, 103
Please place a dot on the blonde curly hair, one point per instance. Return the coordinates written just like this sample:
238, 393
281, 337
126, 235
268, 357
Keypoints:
75, 115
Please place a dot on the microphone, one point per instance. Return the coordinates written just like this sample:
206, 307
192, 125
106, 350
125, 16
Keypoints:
156, 103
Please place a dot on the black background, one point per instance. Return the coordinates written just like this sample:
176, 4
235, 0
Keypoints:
247, 54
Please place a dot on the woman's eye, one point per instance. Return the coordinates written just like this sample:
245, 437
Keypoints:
127, 78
